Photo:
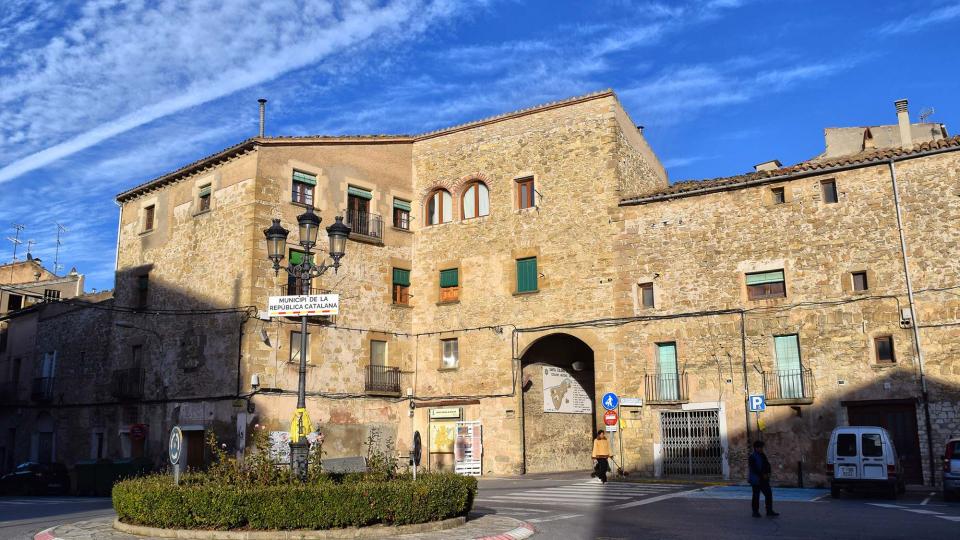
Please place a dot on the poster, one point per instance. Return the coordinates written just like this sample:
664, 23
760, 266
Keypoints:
563, 394
442, 437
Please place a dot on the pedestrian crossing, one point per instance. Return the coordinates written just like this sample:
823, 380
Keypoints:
583, 494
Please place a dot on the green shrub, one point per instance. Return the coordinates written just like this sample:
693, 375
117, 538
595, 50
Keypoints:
206, 501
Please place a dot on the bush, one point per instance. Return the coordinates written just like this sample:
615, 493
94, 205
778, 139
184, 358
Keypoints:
206, 501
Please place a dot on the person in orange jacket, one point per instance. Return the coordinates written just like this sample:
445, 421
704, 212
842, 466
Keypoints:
601, 451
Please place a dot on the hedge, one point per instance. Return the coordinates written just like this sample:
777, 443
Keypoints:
326, 504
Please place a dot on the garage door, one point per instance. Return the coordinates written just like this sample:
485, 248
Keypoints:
690, 442
900, 419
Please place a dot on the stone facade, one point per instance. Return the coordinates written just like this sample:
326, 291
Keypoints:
605, 223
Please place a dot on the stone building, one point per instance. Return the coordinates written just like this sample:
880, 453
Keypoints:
504, 274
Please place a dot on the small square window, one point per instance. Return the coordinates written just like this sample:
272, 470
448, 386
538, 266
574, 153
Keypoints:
295, 347
884, 349
779, 196
450, 351
763, 285
401, 214
646, 294
526, 193
527, 275
860, 281
51, 295
303, 187
148, 215
204, 198
829, 188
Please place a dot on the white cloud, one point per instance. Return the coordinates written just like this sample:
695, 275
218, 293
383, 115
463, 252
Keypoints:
914, 23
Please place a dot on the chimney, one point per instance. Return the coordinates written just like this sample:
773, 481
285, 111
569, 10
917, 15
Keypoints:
263, 108
771, 165
903, 120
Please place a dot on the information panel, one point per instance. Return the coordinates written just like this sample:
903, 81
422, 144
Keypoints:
563, 394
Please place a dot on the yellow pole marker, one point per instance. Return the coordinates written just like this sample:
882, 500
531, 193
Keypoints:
300, 425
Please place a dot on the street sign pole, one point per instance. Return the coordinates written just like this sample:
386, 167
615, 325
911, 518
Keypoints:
620, 441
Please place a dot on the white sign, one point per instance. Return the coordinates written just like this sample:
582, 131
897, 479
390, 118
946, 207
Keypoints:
631, 402
612, 428
452, 412
757, 403
563, 394
296, 306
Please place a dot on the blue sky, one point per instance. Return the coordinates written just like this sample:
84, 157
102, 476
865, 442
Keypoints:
102, 95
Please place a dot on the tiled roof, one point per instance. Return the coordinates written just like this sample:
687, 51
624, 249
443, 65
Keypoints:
685, 188
252, 142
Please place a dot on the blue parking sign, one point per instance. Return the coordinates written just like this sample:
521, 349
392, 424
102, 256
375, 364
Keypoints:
610, 401
757, 403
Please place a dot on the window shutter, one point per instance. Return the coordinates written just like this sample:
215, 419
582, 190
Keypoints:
359, 192
401, 277
667, 358
527, 275
449, 278
205, 190
304, 178
296, 257
788, 352
401, 204
765, 277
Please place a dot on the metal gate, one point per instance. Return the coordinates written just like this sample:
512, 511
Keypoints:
690, 442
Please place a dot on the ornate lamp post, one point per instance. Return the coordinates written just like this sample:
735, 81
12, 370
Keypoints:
304, 273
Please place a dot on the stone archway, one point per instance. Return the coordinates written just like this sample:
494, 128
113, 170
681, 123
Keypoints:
558, 396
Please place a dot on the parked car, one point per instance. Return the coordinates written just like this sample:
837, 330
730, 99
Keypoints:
863, 457
951, 469
36, 479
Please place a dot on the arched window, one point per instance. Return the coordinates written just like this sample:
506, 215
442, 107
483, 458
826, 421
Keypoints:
476, 200
439, 207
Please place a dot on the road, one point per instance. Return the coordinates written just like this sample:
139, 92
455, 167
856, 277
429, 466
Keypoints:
22, 517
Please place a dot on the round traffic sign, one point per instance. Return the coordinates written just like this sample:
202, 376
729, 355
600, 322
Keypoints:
610, 418
610, 401
176, 445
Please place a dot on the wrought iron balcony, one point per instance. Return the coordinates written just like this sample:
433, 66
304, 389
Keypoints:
788, 386
383, 380
665, 388
365, 224
42, 389
127, 383
299, 289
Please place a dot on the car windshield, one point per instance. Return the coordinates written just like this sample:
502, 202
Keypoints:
846, 444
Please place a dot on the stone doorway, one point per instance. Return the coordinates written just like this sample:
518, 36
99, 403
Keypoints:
558, 395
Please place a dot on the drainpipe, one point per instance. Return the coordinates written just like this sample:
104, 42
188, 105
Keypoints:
914, 323
746, 382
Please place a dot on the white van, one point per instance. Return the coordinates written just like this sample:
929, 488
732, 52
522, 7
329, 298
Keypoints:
863, 457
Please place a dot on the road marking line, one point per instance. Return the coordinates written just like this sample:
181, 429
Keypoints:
565, 498
524, 510
925, 501
950, 518
580, 491
882, 505
554, 518
642, 502
926, 512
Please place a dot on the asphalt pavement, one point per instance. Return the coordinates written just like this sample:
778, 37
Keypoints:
22, 517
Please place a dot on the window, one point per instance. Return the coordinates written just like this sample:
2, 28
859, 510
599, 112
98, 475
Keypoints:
358, 210
204, 198
789, 373
450, 353
860, 281
761, 285
829, 188
136, 356
527, 275
401, 286
296, 286
295, 347
439, 207
476, 200
14, 302
871, 445
401, 214
143, 286
779, 196
96, 445
148, 215
450, 285
51, 295
846, 444
884, 349
378, 353
646, 294
303, 186
667, 372
525, 193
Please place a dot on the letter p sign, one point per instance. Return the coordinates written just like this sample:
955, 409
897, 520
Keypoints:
756, 403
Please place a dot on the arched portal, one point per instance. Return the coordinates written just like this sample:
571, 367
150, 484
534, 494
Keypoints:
558, 397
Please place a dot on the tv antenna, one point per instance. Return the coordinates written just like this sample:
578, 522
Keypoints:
926, 113
56, 258
15, 239
30, 244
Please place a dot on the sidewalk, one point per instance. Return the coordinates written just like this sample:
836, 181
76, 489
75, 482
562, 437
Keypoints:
479, 526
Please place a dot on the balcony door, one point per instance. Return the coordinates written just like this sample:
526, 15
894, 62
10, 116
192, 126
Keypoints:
667, 372
789, 369
358, 210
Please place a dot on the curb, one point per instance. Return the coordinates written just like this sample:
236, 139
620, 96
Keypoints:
373, 531
525, 530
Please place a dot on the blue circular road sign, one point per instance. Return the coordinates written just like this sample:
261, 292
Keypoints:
610, 401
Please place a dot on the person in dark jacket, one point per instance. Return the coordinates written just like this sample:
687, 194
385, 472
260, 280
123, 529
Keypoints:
760, 480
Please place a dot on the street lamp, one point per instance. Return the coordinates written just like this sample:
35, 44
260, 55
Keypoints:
304, 273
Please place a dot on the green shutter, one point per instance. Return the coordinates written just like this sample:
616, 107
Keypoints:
527, 274
304, 178
450, 278
401, 277
765, 277
401, 204
359, 192
205, 190
296, 257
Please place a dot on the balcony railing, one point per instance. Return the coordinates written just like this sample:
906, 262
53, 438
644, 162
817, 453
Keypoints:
127, 383
383, 380
666, 388
788, 385
42, 389
365, 224
299, 289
